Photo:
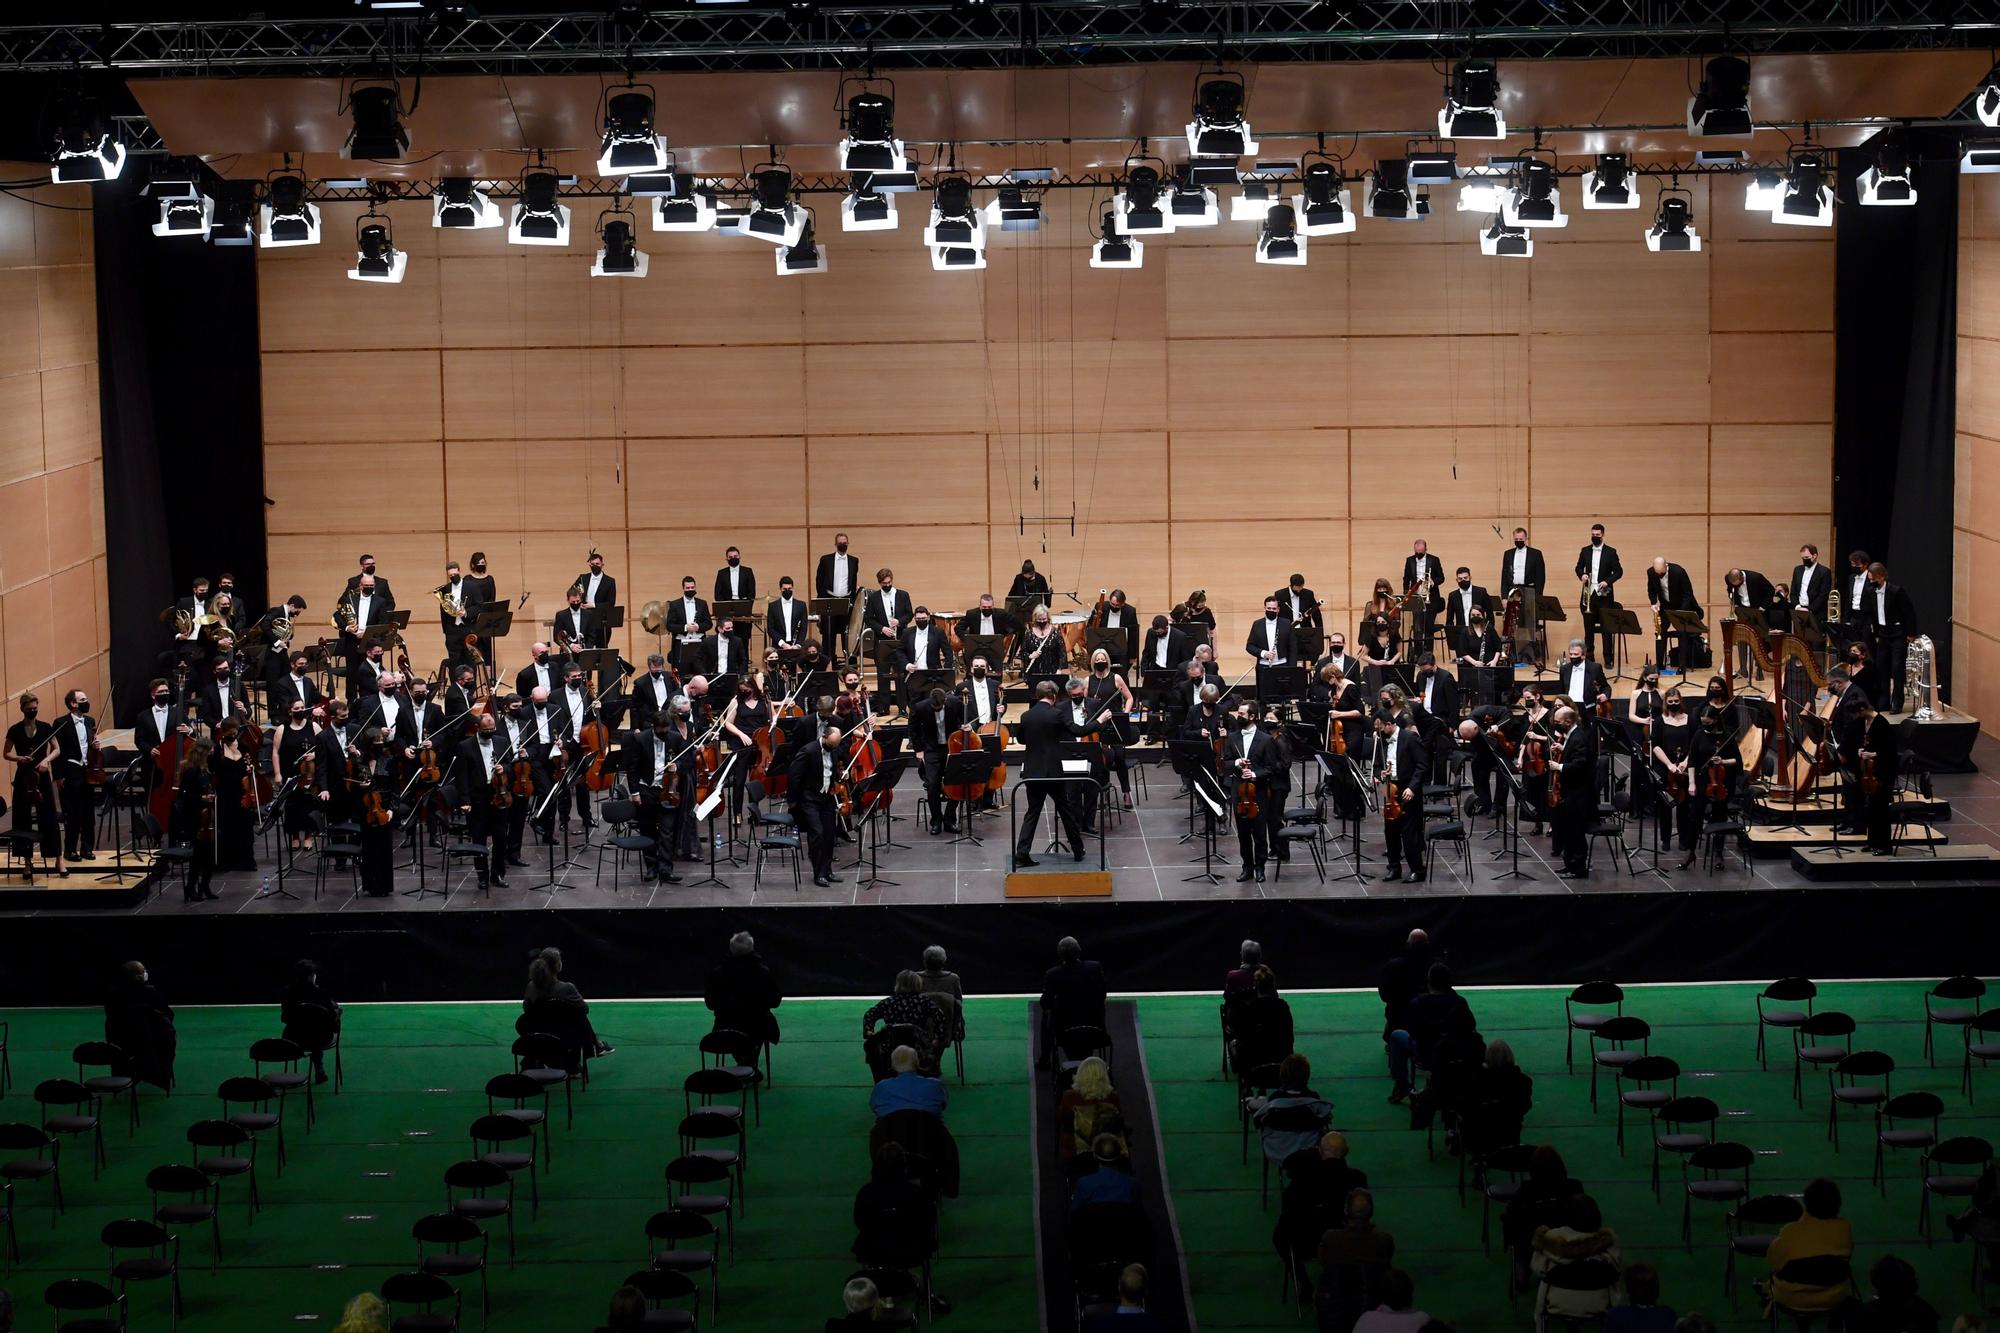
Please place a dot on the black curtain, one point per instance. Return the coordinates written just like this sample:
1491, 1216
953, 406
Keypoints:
183, 426
1895, 333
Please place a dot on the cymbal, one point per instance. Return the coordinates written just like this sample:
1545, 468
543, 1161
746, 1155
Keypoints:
653, 617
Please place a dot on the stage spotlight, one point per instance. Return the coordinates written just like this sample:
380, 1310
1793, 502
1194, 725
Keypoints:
1611, 183
1535, 200
688, 208
285, 217
1481, 189
867, 209
1112, 250
1013, 209
1218, 128
538, 219
1807, 200
804, 255
184, 209
1763, 192
1978, 159
1886, 183
801, 11
1673, 224
955, 219
629, 143
1323, 206
376, 258
1389, 197
378, 133
1137, 206
1255, 199
235, 220
1279, 240
1721, 109
84, 148
1472, 103
1192, 204
1432, 167
957, 258
618, 252
871, 143
458, 203
773, 216
1506, 241
1986, 106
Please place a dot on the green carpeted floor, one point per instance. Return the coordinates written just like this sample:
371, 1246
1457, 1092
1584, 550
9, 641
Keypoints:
338, 1221
1709, 1029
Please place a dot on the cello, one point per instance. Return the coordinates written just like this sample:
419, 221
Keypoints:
598, 775
961, 740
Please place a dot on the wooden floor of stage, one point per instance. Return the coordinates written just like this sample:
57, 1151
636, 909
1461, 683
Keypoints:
1147, 859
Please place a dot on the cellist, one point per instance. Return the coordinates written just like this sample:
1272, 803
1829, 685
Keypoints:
933, 720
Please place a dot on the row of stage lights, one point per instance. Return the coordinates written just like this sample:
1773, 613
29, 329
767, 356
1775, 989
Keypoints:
1290, 201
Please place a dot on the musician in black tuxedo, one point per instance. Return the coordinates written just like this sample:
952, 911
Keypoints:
1522, 567
455, 627
1578, 765
1464, 598
837, 575
75, 732
1434, 707
332, 752
1338, 656
1880, 761
369, 601
1404, 763
455, 704
785, 625
1746, 588
687, 621
1121, 616
1165, 649
1597, 565
293, 682
1891, 620
888, 609
735, 581
1812, 585
1581, 679
542, 672
1300, 604
1248, 754
221, 695
576, 625
366, 575
652, 693
988, 618
1846, 730
723, 653
808, 790
1418, 566
1668, 588
160, 719
647, 756
600, 590
480, 764
932, 721
1483, 660
1270, 637
1043, 731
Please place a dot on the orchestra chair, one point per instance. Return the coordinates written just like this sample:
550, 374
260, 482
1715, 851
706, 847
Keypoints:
174, 861
621, 846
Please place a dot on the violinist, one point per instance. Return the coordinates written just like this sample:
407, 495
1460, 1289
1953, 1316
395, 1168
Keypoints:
296, 740
1719, 703
334, 752
191, 822
1482, 657
1250, 758
1672, 736
1879, 760
75, 736
574, 707
1434, 705
542, 736
936, 716
479, 768
1575, 758
1494, 740
375, 774
235, 771
1581, 678
455, 705
1341, 698
680, 832
1403, 766
1716, 766
852, 704
652, 776
749, 712
517, 735
1206, 720
1537, 738
809, 792
31, 749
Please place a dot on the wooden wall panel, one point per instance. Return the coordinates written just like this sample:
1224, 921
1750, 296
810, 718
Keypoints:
354, 397
31, 648
1118, 477
938, 479
20, 426
70, 431
948, 307
1774, 286
773, 466
1035, 294
1436, 381
1978, 278
1253, 475
1081, 387
1132, 556
1771, 377
525, 298
1239, 565
1771, 469
1591, 288
313, 308
1662, 469
1399, 288
575, 485
1280, 384
24, 532
719, 298
543, 393
298, 478
1632, 377
901, 386
1979, 385
1438, 472
20, 309
68, 316
1212, 293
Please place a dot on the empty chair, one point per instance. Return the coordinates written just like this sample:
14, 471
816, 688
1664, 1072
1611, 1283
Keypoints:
1980, 1045
517, 1090
197, 1204
1710, 1171
542, 1057
232, 1160
1950, 1170
1823, 1039
81, 1296
425, 1291
143, 1251
1681, 1126
1953, 1002
1643, 1075
1767, 1213
1848, 1083
259, 1096
717, 1048
1586, 1009
43, 1162
287, 1078
80, 1119
1785, 1003
623, 844
677, 1227
707, 1126
453, 1246
685, 1173
1610, 1044
662, 1289
708, 1084
481, 1191
1500, 1175
489, 1133
1907, 1120
103, 1055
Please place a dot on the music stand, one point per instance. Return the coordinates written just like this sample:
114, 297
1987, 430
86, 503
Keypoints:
1215, 806
1112, 641
878, 785
992, 647
1350, 804
1689, 629
969, 768
919, 684
832, 614
1023, 608
1308, 642
1276, 683
1620, 623
1519, 795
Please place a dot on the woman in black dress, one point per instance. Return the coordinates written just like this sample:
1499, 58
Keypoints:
31, 750
193, 820
1646, 701
377, 775
1673, 747
1381, 652
1104, 685
1028, 583
295, 742
747, 713
1195, 618
235, 826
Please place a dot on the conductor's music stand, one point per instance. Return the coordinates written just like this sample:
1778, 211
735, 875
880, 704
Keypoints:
1620, 622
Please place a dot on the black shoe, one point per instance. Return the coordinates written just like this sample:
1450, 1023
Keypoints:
499, 881
1414, 877
208, 895
319, 1076
1260, 874
672, 879
647, 877
1398, 1095
832, 878
951, 826
1245, 877
516, 861
1076, 855
821, 882
1023, 859
1689, 861
936, 828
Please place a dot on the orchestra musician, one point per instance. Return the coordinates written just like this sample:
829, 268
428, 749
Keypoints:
480, 589
222, 696
1891, 621
736, 581
1300, 604
1030, 584
195, 793
678, 827
688, 624
1044, 729
1598, 568
233, 613
1107, 685
577, 625
541, 736
1403, 764
1717, 700
1042, 650
922, 647
1811, 585
1489, 732
1646, 703
456, 705
887, 610
808, 790
987, 620
1749, 589
1337, 655
785, 624
1671, 738
1420, 567
541, 673
1714, 744
75, 734
1581, 678
1341, 698
652, 776
1122, 616
365, 576
1166, 648
296, 739
454, 615
367, 602
574, 707
1668, 588
744, 716
1465, 598
1250, 755
1270, 638
1382, 604
1879, 759
932, 721
31, 750
1537, 736
1381, 649
1195, 618
189, 610
724, 653
1434, 708
1522, 569
984, 700
600, 590
480, 765
333, 753
235, 827
1575, 757
837, 575
1482, 658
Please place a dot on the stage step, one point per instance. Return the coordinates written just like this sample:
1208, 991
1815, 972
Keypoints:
1769, 842
93, 883
1958, 861
1824, 808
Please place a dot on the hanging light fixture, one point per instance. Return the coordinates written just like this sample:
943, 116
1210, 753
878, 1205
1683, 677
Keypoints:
1721, 108
1611, 184
538, 219
1137, 206
1113, 249
773, 216
1673, 223
1887, 181
460, 203
1535, 197
1279, 240
618, 252
1219, 128
1389, 196
376, 258
285, 217
630, 143
1324, 206
1807, 198
85, 148
869, 119
1472, 102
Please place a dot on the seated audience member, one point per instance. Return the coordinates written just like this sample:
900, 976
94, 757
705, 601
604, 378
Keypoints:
1895, 1307
1354, 1259
1314, 1200
1396, 1313
893, 1213
1809, 1258
310, 1014
628, 1311
1578, 1264
556, 1006
742, 994
859, 1297
1455, 1063
1502, 1096
1424, 1019
1965, 1323
6, 1311
1642, 1311
141, 1024
364, 1314
1402, 981
907, 1089
1111, 1182
945, 985
1543, 1200
1131, 1315
908, 1006
1981, 1218
1088, 1107
1293, 1117
1073, 994
1263, 1024
1238, 985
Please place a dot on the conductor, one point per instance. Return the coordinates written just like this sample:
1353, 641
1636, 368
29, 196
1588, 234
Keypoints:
1043, 730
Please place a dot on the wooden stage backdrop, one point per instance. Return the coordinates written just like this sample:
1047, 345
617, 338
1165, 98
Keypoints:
54, 612
1213, 422
1975, 610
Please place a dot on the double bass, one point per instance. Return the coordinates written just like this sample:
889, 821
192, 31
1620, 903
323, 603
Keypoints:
961, 740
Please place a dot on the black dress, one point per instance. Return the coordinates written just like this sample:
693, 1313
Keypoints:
1114, 723
196, 786
34, 793
235, 827
378, 841
1683, 815
294, 743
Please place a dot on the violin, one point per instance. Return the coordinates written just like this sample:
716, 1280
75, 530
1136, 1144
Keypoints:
205, 832
428, 771
1553, 763
708, 763
1392, 800
1678, 786
308, 768
251, 742
524, 779
1246, 791
375, 810
1718, 781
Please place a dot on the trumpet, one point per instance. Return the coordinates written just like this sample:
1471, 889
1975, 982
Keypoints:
1589, 589
450, 605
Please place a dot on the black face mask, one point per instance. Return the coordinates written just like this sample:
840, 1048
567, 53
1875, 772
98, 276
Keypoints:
1715, 694
1339, 650
82, 708
160, 700
735, 559
1465, 583
923, 624
979, 673
541, 657
1520, 543
31, 712
298, 717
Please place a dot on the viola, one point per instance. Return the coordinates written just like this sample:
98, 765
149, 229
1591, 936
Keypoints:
308, 768
251, 741
205, 832
1679, 787
1336, 736
1392, 800
1553, 763
428, 771
524, 778
1718, 782
375, 810
1246, 797
598, 775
